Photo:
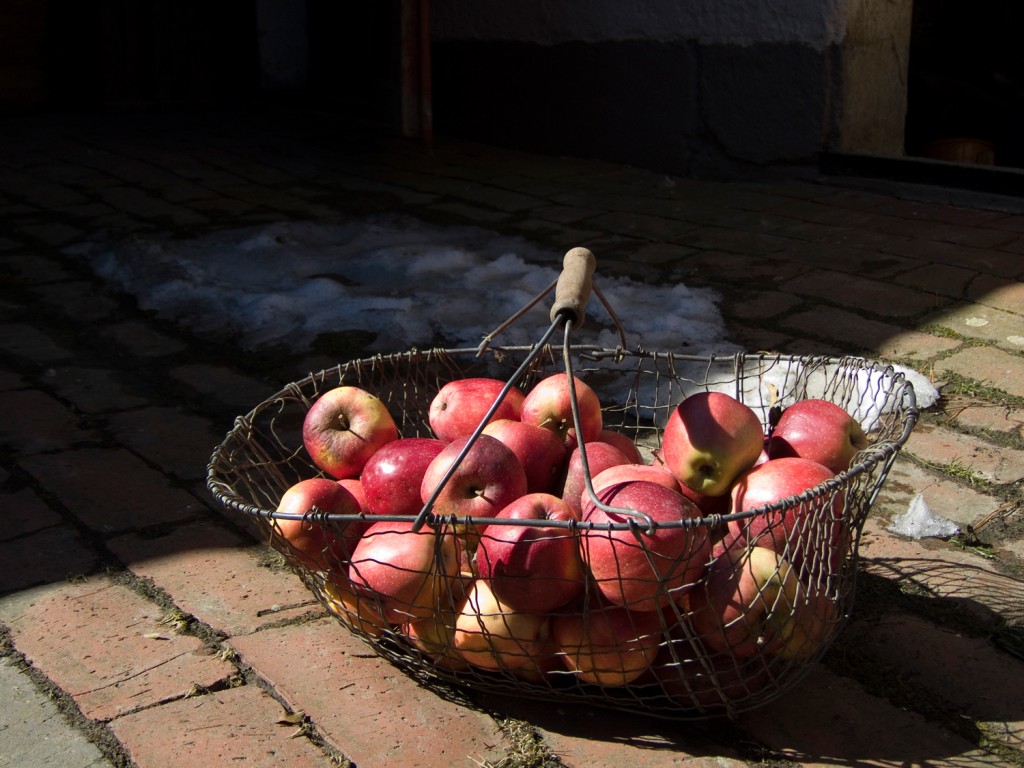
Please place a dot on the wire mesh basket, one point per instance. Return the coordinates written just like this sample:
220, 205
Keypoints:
713, 623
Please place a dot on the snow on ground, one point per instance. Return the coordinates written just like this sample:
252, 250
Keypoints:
410, 283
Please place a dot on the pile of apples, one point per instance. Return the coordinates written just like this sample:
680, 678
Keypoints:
518, 570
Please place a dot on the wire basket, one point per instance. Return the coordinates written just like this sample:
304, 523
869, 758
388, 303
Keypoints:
671, 653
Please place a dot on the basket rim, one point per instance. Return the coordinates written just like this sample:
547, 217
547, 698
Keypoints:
883, 451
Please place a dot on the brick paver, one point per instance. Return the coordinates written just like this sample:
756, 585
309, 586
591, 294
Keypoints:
107, 646
238, 726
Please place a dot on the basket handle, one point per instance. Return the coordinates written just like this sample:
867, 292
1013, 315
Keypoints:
572, 291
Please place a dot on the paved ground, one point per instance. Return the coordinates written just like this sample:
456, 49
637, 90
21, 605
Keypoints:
142, 625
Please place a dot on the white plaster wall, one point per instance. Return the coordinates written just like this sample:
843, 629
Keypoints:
816, 23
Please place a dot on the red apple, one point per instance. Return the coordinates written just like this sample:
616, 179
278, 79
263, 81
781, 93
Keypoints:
344, 427
459, 406
600, 456
815, 618
435, 636
532, 568
637, 569
310, 543
818, 430
745, 605
607, 645
809, 531
487, 479
494, 636
549, 404
709, 439
623, 473
412, 572
539, 450
393, 475
623, 443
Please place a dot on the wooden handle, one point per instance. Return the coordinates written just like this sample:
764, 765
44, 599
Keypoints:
572, 292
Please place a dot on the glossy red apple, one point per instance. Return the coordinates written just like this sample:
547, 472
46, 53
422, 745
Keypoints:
600, 456
710, 438
315, 546
820, 431
633, 567
344, 427
459, 406
549, 404
533, 568
392, 477
539, 450
809, 533
485, 481
411, 572
607, 645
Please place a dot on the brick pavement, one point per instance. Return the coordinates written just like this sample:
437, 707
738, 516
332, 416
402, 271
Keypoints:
165, 633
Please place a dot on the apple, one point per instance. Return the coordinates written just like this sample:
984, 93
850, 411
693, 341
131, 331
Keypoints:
637, 569
317, 547
810, 531
815, 618
622, 473
344, 427
818, 430
493, 636
540, 452
707, 681
435, 636
356, 609
710, 438
412, 572
745, 605
392, 477
532, 568
607, 645
623, 443
487, 479
549, 404
600, 456
459, 407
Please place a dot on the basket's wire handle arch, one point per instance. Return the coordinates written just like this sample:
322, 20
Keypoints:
572, 292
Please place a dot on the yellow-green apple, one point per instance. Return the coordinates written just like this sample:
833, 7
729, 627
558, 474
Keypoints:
818, 430
623, 443
435, 636
392, 477
633, 567
318, 547
810, 530
344, 427
539, 450
460, 406
531, 568
746, 604
488, 478
605, 644
600, 456
815, 618
710, 438
549, 404
412, 572
356, 608
493, 636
